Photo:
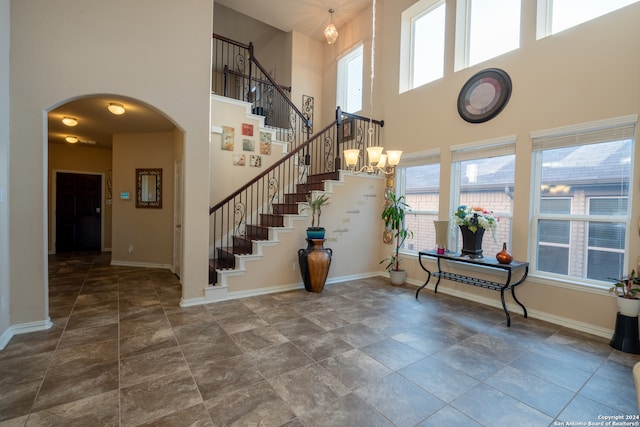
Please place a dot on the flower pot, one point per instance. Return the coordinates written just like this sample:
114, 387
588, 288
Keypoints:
628, 306
315, 233
398, 277
471, 242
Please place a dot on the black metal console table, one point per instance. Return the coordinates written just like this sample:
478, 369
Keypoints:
489, 263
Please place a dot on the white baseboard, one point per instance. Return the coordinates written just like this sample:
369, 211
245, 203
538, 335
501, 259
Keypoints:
514, 308
23, 328
141, 264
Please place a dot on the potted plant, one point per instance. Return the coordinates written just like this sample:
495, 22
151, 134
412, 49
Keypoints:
315, 260
473, 221
627, 289
315, 202
393, 217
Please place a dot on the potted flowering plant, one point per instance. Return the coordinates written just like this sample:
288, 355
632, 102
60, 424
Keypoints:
627, 289
473, 221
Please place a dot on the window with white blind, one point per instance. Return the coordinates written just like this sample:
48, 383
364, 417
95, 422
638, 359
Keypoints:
422, 43
418, 179
555, 16
581, 201
482, 175
349, 87
485, 29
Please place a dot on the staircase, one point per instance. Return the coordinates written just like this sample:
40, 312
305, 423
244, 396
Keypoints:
243, 244
250, 218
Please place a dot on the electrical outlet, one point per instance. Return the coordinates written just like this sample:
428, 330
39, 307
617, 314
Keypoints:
295, 266
3, 304
130, 249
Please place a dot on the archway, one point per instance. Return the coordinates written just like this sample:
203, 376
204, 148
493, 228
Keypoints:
112, 146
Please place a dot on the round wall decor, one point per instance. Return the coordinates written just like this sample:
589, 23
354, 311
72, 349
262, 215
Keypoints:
484, 95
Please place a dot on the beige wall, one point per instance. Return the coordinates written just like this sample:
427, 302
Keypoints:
586, 73
271, 46
352, 232
4, 169
142, 236
166, 66
79, 159
306, 72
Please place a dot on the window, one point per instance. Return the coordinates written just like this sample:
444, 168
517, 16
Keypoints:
349, 96
485, 29
581, 201
483, 175
422, 41
555, 16
420, 184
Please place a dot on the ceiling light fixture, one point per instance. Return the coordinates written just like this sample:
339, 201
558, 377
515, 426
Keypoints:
71, 139
378, 162
331, 33
69, 121
116, 109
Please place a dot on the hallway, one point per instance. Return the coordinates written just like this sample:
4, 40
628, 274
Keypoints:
363, 353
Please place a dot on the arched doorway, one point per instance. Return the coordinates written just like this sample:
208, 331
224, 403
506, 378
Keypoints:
90, 153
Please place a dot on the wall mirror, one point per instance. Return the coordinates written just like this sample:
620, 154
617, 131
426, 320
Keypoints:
149, 188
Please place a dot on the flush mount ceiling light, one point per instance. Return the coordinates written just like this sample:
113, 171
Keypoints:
116, 109
331, 33
69, 121
71, 139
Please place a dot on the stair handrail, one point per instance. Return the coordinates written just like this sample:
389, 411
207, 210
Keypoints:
270, 169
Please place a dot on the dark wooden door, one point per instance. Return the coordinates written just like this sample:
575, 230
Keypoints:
78, 213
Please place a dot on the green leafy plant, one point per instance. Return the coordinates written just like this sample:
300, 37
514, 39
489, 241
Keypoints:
627, 286
315, 203
393, 217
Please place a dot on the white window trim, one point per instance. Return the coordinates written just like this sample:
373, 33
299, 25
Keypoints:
558, 280
461, 57
407, 39
339, 77
494, 147
420, 158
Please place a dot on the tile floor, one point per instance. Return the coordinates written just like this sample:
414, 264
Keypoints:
362, 353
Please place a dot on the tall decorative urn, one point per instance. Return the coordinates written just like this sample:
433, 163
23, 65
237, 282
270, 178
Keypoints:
314, 262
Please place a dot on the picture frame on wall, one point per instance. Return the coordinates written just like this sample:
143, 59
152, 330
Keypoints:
348, 129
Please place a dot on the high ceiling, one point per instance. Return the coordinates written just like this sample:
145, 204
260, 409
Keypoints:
309, 17
96, 125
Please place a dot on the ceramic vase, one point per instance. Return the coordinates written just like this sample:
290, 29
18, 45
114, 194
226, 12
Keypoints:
314, 262
442, 235
471, 242
504, 257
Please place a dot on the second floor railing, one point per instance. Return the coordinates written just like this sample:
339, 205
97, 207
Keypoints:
238, 74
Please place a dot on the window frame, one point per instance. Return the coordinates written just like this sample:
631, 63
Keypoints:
462, 57
425, 158
585, 132
544, 18
496, 147
342, 78
408, 41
